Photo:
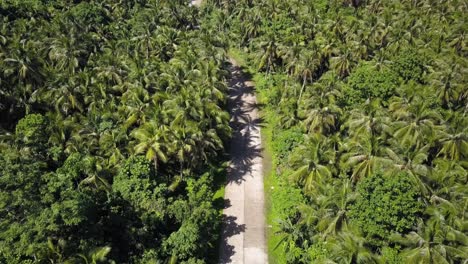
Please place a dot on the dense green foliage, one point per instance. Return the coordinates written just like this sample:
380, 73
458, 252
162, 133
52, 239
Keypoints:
386, 204
111, 132
367, 83
410, 65
378, 91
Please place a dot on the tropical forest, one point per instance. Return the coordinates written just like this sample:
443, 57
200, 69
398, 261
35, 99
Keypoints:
128, 131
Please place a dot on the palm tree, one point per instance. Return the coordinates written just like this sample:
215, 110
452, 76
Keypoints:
321, 112
327, 212
416, 121
66, 51
111, 143
95, 256
111, 69
94, 171
144, 42
135, 102
434, 242
152, 140
349, 246
458, 41
252, 26
448, 84
268, 55
413, 160
312, 161
292, 239
454, 139
24, 68
343, 63
448, 179
64, 96
24, 73
364, 156
370, 119
305, 68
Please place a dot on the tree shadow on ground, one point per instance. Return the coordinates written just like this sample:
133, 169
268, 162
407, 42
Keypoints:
243, 149
230, 228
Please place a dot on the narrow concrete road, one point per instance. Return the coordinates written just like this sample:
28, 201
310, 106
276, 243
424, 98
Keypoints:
243, 235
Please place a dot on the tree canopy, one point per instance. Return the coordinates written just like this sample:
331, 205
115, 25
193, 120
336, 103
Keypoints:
112, 129
366, 103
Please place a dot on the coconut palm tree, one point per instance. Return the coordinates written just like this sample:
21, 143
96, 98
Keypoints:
308, 63
152, 140
454, 139
416, 122
363, 156
413, 160
349, 247
331, 202
434, 242
95, 173
321, 112
66, 52
268, 55
312, 162
94, 256
370, 119
448, 84
343, 63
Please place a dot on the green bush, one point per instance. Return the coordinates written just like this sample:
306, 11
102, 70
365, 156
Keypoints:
286, 198
318, 252
391, 256
31, 130
367, 82
386, 204
409, 65
286, 140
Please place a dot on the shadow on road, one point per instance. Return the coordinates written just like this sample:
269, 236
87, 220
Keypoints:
241, 105
244, 149
230, 228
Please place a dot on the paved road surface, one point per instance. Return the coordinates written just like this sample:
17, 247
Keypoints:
243, 234
243, 237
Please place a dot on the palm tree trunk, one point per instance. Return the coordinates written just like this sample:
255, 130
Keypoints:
155, 162
302, 89
181, 169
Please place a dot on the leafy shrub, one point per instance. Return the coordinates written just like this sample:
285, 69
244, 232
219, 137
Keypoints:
199, 222
88, 14
134, 183
137, 167
410, 65
318, 252
31, 130
286, 140
368, 82
391, 256
286, 198
386, 204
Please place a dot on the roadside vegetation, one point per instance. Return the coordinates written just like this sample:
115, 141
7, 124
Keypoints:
112, 132
365, 104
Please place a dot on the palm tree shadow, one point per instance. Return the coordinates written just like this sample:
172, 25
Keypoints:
244, 149
244, 144
230, 228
